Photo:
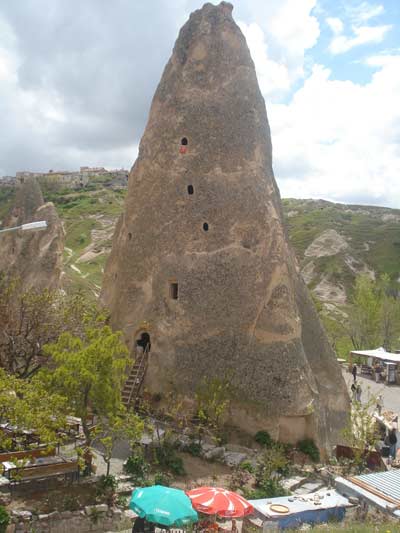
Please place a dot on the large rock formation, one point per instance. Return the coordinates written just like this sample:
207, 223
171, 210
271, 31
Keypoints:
200, 257
36, 257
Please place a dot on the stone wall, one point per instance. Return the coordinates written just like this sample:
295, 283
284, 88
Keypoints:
93, 519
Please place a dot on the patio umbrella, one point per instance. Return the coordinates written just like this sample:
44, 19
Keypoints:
163, 505
221, 502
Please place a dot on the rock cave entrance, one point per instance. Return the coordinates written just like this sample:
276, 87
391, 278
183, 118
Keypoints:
143, 340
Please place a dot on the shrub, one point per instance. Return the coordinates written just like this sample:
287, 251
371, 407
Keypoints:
263, 438
137, 467
4, 519
308, 447
107, 487
122, 501
270, 469
108, 483
167, 457
247, 466
162, 478
194, 448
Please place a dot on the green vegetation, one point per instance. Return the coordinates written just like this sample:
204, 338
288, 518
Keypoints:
270, 470
309, 447
89, 371
6, 199
29, 404
89, 216
4, 519
137, 467
263, 438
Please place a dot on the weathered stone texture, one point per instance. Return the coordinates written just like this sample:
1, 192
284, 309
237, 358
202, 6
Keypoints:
242, 308
34, 256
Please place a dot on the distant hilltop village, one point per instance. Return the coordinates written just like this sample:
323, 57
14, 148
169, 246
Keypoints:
73, 180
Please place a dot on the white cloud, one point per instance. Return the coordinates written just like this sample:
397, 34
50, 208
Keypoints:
335, 24
339, 140
364, 11
291, 29
273, 77
362, 35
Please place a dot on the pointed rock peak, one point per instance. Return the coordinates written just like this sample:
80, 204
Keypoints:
36, 257
200, 259
27, 200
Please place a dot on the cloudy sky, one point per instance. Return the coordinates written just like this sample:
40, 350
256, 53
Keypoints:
77, 78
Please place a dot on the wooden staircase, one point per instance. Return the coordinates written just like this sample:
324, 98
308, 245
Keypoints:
131, 390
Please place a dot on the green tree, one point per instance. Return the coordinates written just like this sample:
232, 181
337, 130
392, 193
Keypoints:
389, 313
30, 405
364, 316
113, 430
213, 399
89, 371
374, 314
361, 432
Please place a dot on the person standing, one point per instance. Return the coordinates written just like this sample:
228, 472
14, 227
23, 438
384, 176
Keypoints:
354, 372
379, 404
358, 393
353, 392
392, 438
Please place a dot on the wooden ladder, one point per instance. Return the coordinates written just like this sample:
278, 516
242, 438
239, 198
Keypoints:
131, 390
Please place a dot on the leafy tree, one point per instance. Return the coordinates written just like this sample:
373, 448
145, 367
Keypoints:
111, 431
389, 313
374, 314
213, 398
364, 319
30, 405
270, 470
361, 432
31, 318
89, 371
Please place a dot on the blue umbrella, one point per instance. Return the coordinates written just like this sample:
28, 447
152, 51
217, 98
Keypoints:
163, 505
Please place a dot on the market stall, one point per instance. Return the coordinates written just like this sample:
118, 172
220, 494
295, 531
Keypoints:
380, 364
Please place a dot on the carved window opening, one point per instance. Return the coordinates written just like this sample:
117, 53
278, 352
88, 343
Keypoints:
129, 236
173, 291
205, 226
184, 141
190, 189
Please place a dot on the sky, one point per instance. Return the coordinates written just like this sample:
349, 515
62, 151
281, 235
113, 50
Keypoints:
77, 78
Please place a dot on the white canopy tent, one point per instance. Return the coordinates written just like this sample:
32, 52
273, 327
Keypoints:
379, 353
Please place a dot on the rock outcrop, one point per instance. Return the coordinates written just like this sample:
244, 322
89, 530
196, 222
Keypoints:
36, 257
200, 257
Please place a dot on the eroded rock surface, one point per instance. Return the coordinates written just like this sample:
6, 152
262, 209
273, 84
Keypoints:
200, 257
34, 256
330, 242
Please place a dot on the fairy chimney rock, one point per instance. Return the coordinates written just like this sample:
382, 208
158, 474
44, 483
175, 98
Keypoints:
200, 257
36, 257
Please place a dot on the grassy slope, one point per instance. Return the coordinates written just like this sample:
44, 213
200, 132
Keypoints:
373, 241
89, 216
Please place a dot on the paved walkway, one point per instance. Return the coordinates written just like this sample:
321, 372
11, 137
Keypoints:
390, 393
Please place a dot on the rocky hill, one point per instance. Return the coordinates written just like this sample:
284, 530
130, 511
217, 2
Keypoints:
333, 242
336, 242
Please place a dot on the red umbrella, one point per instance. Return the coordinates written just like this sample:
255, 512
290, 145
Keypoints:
221, 502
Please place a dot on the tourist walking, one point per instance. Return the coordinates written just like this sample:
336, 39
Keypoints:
354, 372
